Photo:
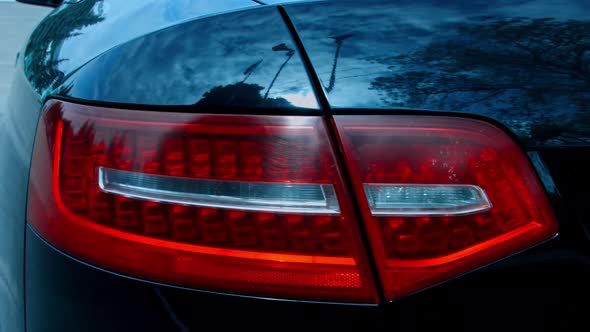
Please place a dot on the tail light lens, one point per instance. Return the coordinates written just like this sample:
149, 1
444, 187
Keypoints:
255, 204
441, 196
242, 204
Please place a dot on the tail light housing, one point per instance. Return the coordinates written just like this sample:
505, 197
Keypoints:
241, 204
256, 205
441, 196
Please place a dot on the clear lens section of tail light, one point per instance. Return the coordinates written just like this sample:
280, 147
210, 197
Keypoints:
441, 196
240, 204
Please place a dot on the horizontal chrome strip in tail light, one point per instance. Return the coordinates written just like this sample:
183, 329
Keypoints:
425, 200
251, 196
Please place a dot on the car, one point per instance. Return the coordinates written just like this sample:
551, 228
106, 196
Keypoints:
181, 165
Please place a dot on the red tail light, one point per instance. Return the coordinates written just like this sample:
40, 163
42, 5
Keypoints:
242, 204
255, 204
441, 196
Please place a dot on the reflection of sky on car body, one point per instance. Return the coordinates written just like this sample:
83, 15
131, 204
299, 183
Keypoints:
178, 65
147, 16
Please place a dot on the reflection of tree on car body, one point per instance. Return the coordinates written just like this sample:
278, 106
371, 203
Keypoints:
512, 65
53, 31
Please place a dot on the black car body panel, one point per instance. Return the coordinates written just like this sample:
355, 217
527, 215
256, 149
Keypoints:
216, 61
76, 33
213, 61
525, 64
17, 135
386, 59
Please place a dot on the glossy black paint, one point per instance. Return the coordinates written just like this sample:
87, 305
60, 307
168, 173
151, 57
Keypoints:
524, 63
96, 52
76, 33
566, 167
214, 61
17, 132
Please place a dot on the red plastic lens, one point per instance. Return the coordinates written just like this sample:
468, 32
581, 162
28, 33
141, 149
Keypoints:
441, 196
255, 204
282, 243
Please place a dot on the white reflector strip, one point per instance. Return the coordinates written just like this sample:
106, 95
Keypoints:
251, 196
425, 200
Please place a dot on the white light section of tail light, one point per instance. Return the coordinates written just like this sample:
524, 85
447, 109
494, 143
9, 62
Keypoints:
425, 200
308, 198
